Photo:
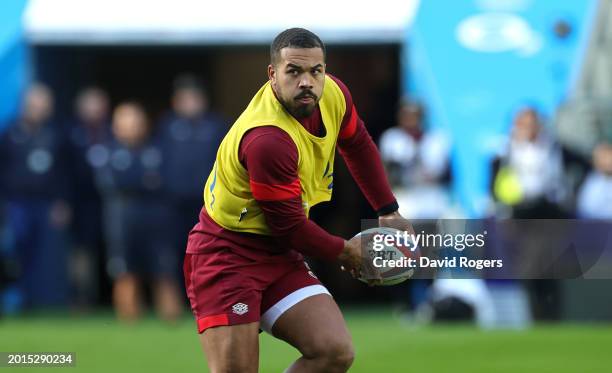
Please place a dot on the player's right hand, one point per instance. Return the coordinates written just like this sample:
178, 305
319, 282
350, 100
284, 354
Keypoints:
350, 257
352, 260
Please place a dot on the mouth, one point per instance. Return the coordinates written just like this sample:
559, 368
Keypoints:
305, 100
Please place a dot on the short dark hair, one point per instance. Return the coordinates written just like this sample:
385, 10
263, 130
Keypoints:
294, 38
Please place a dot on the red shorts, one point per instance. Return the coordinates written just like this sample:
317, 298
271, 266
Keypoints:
225, 288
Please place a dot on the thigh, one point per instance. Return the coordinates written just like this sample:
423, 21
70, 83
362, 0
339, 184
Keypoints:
297, 284
299, 310
313, 324
232, 348
219, 294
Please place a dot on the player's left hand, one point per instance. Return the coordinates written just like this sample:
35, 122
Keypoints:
397, 221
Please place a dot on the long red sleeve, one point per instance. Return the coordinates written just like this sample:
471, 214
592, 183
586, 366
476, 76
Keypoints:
363, 159
271, 158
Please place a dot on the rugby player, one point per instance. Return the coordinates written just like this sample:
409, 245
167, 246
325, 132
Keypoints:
244, 266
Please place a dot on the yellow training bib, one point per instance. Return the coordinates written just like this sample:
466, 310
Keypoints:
227, 195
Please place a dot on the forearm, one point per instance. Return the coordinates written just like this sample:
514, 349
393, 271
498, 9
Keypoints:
365, 165
292, 229
313, 241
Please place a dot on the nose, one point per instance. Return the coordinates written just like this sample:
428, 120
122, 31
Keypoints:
306, 82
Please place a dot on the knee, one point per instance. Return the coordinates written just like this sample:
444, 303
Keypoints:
342, 355
334, 354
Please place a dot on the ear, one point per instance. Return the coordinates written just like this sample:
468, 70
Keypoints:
271, 73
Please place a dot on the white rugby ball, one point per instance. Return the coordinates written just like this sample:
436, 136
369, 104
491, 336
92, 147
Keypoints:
389, 251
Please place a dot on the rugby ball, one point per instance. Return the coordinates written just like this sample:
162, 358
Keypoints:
391, 252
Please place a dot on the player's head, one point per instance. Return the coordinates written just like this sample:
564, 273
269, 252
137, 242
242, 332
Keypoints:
92, 106
602, 158
38, 104
297, 70
526, 125
189, 99
130, 124
410, 115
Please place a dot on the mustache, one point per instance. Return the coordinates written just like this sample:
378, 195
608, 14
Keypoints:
305, 94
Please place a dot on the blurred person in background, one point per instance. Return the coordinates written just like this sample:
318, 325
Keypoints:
190, 135
594, 118
35, 190
577, 146
527, 176
528, 182
417, 164
595, 195
136, 215
89, 132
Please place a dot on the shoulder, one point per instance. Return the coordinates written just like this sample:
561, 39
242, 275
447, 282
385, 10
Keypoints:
268, 144
340, 83
263, 136
344, 89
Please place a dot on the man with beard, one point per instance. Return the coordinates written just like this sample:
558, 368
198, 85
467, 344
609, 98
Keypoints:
244, 269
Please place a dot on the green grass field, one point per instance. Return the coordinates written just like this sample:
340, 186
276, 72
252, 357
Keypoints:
383, 344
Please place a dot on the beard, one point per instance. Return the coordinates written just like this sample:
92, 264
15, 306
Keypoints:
303, 110
299, 109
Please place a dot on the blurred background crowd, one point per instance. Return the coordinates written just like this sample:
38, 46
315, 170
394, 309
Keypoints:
109, 190
104, 155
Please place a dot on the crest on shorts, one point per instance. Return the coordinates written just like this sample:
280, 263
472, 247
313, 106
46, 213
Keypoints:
240, 308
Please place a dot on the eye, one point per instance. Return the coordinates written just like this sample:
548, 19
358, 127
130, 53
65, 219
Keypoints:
293, 72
